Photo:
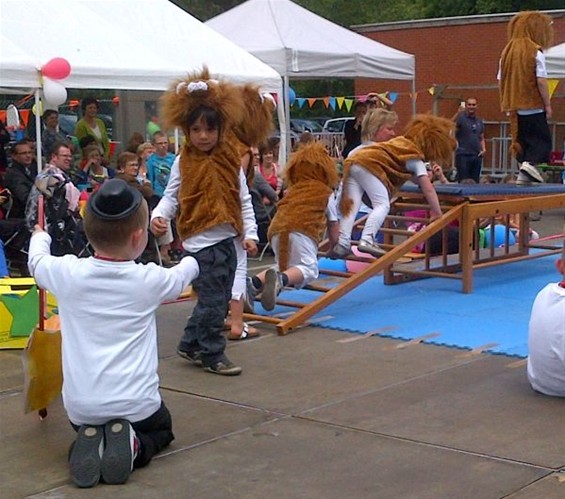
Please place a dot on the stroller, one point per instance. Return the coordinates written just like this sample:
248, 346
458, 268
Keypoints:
63, 225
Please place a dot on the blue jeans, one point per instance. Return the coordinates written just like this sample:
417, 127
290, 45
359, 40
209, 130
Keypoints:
468, 166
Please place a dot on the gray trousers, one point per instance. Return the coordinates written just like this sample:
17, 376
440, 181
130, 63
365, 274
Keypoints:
204, 330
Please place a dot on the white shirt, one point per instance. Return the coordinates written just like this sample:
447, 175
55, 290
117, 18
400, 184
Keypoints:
546, 341
109, 334
541, 72
168, 205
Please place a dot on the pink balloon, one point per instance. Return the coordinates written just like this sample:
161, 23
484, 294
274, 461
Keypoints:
56, 69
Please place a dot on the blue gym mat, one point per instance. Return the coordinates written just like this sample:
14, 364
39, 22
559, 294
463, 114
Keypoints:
495, 314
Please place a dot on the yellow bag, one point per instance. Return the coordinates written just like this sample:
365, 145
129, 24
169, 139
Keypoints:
43, 367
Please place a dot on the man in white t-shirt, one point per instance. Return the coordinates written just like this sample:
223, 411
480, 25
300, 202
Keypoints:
546, 342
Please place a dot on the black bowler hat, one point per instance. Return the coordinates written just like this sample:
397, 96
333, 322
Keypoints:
115, 200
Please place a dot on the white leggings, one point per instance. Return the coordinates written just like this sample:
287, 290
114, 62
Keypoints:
358, 182
239, 281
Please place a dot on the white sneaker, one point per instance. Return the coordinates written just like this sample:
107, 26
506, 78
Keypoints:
531, 172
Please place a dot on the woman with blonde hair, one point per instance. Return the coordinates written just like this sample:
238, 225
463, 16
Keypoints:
143, 152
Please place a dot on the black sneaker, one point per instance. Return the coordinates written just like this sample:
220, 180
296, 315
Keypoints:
121, 449
194, 357
225, 367
86, 455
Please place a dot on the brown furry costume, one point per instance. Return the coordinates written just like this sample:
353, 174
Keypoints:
256, 122
209, 190
311, 177
528, 32
426, 137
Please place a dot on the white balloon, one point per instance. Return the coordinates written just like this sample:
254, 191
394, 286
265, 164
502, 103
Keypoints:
54, 92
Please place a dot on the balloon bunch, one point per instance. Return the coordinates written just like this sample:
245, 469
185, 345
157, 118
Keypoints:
54, 93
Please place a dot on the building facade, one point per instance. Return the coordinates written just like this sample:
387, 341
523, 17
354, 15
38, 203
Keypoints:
457, 58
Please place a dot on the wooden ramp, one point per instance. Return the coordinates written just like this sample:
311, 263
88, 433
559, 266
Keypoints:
395, 253
400, 264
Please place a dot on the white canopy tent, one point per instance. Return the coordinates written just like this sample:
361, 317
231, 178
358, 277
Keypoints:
117, 44
555, 61
298, 43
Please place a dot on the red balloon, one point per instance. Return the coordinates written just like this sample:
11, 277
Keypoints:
56, 69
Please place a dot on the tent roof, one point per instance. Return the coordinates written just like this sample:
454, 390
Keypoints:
297, 42
555, 61
115, 44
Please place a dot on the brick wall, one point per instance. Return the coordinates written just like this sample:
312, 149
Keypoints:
455, 52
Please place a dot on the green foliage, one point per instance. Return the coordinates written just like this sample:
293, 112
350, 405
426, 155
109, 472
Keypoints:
354, 12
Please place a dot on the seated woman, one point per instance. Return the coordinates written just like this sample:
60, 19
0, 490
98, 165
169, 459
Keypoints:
91, 170
267, 166
128, 170
143, 152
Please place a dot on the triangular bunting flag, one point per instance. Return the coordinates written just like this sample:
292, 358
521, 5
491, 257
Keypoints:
332, 103
311, 101
393, 96
24, 114
349, 103
340, 102
326, 101
552, 85
300, 101
431, 90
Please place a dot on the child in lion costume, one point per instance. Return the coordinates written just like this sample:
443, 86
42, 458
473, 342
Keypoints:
380, 168
524, 93
308, 208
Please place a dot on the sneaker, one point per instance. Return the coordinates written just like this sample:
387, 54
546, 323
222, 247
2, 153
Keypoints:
194, 357
271, 289
249, 297
225, 367
370, 248
85, 456
339, 252
531, 172
122, 446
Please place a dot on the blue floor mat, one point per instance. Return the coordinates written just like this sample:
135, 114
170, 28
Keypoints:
496, 313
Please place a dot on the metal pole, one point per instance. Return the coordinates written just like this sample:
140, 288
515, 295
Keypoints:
38, 130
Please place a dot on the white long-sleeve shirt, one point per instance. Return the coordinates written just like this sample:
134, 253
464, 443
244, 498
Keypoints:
168, 206
109, 334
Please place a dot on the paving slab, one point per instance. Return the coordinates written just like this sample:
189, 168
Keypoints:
304, 369
294, 458
316, 414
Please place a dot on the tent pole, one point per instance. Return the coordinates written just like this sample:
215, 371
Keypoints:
38, 130
286, 143
413, 96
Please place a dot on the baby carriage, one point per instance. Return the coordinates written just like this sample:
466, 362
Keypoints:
63, 225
